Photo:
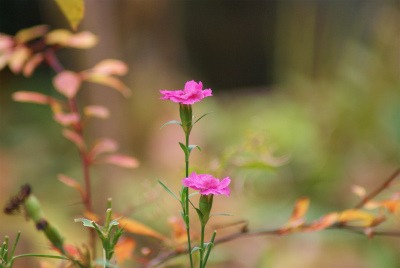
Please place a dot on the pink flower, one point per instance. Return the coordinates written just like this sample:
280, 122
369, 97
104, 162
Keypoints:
193, 92
207, 184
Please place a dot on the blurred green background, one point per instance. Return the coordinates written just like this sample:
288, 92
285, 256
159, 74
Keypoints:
306, 103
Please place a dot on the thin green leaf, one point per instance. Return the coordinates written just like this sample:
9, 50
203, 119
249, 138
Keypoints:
168, 190
191, 147
196, 249
185, 149
201, 117
86, 222
221, 214
172, 122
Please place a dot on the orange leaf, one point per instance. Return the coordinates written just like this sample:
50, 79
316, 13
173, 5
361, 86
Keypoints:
323, 223
28, 96
121, 160
72, 183
75, 138
110, 66
357, 217
66, 119
26, 35
32, 63
359, 191
82, 40
104, 146
67, 83
300, 209
96, 111
135, 227
124, 249
18, 58
109, 81
58, 37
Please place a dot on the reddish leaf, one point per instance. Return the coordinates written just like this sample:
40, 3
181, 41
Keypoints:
124, 249
323, 223
111, 66
108, 81
82, 40
66, 119
28, 96
75, 138
18, 59
71, 183
96, 111
300, 209
6, 42
32, 63
26, 35
67, 83
121, 160
104, 146
135, 227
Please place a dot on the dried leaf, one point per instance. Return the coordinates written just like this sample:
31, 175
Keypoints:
33, 97
96, 111
32, 63
67, 83
135, 227
109, 81
111, 66
300, 209
82, 40
75, 138
124, 249
66, 119
71, 183
26, 35
73, 10
104, 146
120, 160
18, 59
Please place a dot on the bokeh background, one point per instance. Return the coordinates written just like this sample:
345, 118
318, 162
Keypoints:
306, 103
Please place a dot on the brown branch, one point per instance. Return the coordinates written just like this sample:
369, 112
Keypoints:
377, 191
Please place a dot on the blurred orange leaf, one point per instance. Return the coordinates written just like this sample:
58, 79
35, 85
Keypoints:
67, 83
121, 160
82, 40
299, 211
71, 183
28, 34
323, 223
66, 119
109, 81
356, 217
73, 10
135, 227
75, 138
104, 146
124, 249
359, 191
110, 66
32, 63
96, 111
28, 96
18, 58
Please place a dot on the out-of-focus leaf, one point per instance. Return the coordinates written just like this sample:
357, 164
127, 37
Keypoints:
18, 59
96, 111
124, 249
85, 222
82, 40
104, 146
135, 227
6, 42
58, 37
168, 190
67, 83
111, 67
66, 119
120, 160
358, 190
31, 64
109, 81
174, 122
323, 223
28, 96
75, 138
356, 217
299, 211
26, 35
73, 10
71, 183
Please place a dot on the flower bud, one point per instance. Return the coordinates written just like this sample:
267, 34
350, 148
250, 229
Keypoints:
185, 112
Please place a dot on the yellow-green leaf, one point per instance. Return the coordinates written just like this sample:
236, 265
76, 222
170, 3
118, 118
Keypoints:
73, 10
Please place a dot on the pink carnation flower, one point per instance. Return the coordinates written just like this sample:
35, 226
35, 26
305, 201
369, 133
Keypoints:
193, 92
207, 184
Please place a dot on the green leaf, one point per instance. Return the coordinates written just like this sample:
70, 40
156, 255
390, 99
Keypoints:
172, 122
86, 222
191, 147
168, 190
221, 214
185, 150
196, 249
201, 117
73, 10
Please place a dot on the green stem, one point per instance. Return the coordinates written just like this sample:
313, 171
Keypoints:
186, 205
202, 264
37, 255
209, 248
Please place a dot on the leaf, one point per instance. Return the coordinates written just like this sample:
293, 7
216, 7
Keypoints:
28, 34
33, 97
120, 160
32, 63
299, 211
169, 191
175, 122
67, 83
72, 183
191, 147
75, 138
356, 217
196, 249
86, 222
73, 10
124, 249
110, 66
359, 191
82, 40
58, 37
103, 146
323, 223
18, 59
201, 117
185, 149
66, 119
109, 81
135, 227
96, 111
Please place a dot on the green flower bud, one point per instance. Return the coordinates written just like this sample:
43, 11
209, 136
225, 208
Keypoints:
185, 112
205, 205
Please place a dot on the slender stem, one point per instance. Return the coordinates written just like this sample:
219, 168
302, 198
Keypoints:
202, 265
39, 256
209, 248
186, 205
